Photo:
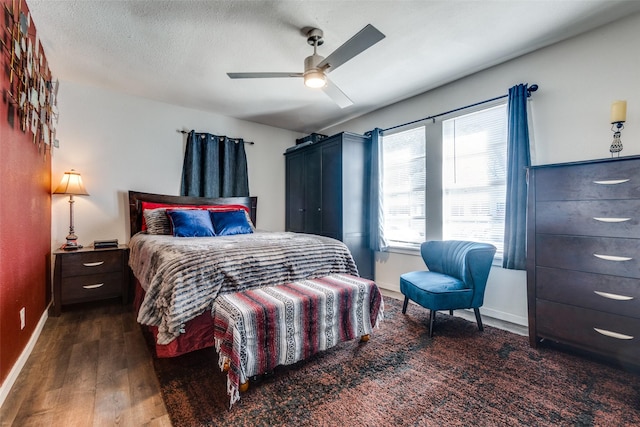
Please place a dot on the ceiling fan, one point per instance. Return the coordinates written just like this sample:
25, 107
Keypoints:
317, 67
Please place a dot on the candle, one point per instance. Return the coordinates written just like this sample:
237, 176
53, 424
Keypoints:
619, 111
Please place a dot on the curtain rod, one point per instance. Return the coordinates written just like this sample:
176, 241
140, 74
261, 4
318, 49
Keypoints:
532, 88
246, 142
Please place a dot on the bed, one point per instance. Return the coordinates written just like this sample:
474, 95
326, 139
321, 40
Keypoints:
178, 278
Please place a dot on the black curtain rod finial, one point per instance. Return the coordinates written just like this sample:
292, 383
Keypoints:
186, 132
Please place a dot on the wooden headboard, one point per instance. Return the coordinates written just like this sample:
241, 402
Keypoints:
136, 198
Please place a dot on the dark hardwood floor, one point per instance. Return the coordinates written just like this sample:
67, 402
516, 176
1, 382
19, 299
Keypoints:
90, 367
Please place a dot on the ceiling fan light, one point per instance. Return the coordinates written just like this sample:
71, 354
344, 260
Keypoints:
314, 79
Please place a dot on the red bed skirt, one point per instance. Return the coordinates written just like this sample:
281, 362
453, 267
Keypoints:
198, 335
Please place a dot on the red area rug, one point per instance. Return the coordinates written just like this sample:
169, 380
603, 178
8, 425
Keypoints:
460, 377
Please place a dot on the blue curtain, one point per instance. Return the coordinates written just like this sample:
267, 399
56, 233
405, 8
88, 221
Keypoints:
518, 159
214, 166
377, 241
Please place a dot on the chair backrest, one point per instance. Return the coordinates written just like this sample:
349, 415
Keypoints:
469, 262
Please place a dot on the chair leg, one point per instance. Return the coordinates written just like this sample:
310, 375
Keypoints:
404, 306
450, 312
478, 319
432, 318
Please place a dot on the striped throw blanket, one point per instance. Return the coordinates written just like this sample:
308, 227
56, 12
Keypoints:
259, 329
182, 276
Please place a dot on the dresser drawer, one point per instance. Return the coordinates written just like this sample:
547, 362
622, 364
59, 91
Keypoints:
616, 295
82, 263
594, 181
613, 336
617, 337
91, 287
612, 256
609, 218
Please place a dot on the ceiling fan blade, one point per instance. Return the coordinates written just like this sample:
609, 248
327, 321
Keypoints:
337, 95
261, 75
363, 40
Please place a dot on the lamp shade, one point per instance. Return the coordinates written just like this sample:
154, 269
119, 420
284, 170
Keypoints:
71, 183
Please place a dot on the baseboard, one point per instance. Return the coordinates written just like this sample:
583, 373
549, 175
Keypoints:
495, 322
505, 317
22, 360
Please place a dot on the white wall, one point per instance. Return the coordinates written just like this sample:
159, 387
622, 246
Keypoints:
120, 143
578, 80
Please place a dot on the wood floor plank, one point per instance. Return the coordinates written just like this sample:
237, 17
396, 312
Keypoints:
90, 366
113, 401
35, 387
163, 421
146, 401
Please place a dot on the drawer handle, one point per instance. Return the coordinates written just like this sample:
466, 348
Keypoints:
97, 285
603, 219
613, 296
93, 264
612, 257
611, 181
613, 334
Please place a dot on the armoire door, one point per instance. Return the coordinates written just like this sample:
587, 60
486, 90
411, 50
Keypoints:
331, 203
313, 191
295, 196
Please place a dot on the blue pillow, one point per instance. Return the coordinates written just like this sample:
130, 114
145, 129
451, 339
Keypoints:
231, 222
191, 223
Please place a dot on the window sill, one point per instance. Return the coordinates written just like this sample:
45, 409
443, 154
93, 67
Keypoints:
497, 260
404, 250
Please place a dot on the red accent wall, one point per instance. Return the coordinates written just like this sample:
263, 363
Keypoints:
25, 225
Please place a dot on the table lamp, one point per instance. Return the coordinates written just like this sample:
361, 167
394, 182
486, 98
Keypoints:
72, 185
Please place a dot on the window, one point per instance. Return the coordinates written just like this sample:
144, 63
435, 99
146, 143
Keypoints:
403, 187
474, 176
464, 165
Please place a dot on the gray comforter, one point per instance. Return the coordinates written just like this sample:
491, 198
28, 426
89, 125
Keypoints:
183, 275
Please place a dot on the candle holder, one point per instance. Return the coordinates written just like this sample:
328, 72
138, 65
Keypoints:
618, 117
616, 145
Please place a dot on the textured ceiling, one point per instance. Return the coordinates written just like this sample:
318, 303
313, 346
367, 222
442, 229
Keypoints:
180, 51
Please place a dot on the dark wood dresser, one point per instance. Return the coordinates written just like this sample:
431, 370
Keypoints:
583, 257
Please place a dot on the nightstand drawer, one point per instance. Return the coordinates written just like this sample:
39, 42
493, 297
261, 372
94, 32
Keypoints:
82, 263
91, 287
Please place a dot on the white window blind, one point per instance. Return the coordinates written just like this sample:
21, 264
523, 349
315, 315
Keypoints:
404, 182
474, 176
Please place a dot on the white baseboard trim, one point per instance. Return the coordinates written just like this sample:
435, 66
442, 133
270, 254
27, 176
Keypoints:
22, 360
507, 317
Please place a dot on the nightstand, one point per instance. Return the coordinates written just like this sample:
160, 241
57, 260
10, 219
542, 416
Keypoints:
90, 274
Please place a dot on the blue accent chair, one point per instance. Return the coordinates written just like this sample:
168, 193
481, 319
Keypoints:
456, 279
